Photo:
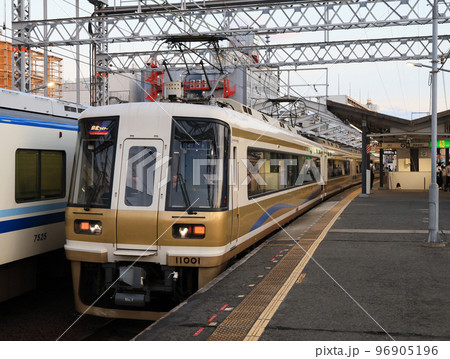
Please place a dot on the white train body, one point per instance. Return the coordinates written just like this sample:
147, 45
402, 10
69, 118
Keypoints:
37, 143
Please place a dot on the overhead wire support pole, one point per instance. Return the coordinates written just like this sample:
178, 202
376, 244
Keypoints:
433, 201
78, 75
45, 52
21, 58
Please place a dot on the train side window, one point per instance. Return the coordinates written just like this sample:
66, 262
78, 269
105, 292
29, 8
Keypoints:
40, 175
270, 171
337, 168
140, 176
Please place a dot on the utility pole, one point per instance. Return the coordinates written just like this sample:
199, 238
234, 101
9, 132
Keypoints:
78, 77
45, 52
433, 200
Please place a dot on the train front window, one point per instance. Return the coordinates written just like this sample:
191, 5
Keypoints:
94, 163
199, 165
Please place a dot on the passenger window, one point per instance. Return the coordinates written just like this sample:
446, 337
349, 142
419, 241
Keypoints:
270, 171
40, 175
140, 176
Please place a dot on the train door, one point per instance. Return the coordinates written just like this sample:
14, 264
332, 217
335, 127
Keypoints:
137, 210
235, 197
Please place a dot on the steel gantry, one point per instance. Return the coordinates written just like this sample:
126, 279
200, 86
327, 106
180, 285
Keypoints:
231, 18
21, 56
280, 55
150, 23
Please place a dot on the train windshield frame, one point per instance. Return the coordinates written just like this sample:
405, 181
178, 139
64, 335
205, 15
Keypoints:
93, 169
199, 155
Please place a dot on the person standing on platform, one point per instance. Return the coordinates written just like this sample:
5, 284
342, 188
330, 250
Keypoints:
372, 174
447, 173
439, 176
444, 176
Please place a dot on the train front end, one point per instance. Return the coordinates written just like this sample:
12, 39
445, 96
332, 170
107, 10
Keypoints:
148, 182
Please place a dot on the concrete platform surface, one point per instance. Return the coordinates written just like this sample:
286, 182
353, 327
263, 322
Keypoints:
368, 279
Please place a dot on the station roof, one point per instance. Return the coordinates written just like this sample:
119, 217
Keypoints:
390, 126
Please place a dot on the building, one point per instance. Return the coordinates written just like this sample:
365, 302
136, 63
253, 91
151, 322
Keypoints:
37, 66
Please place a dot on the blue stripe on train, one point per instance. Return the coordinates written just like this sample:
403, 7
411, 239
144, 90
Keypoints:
29, 222
313, 195
32, 209
267, 214
38, 123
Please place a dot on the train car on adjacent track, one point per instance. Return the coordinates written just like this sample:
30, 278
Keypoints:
163, 195
37, 145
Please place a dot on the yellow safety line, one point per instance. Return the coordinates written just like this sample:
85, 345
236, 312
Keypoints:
258, 328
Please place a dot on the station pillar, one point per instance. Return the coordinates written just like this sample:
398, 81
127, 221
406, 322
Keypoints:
364, 159
381, 167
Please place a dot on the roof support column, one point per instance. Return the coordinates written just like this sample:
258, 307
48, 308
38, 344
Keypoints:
381, 167
364, 158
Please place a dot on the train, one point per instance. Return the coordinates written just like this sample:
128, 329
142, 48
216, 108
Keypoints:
37, 143
165, 194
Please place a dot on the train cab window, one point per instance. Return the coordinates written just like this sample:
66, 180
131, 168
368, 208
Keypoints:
140, 176
198, 165
94, 163
40, 175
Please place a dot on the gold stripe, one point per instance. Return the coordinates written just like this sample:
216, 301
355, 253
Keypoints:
258, 328
267, 139
81, 256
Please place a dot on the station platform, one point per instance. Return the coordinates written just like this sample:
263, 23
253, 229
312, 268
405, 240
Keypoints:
353, 268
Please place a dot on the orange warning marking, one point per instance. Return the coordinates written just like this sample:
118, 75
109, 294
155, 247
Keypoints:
300, 278
197, 333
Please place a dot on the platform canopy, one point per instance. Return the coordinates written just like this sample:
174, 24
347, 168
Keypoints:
382, 127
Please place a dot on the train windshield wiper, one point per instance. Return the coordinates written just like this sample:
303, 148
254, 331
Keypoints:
187, 201
93, 194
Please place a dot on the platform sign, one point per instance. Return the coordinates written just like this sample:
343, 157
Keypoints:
390, 145
442, 144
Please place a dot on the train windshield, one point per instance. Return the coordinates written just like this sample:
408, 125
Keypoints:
199, 165
94, 163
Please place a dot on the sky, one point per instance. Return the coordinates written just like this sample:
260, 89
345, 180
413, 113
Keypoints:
398, 89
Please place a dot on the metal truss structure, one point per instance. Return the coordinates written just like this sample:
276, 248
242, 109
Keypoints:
312, 119
231, 18
21, 58
292, 55
151, 22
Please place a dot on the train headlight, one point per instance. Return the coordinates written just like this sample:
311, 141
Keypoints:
88, 227
183, 231
196, 231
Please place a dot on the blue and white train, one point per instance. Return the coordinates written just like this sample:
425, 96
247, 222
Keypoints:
37, 144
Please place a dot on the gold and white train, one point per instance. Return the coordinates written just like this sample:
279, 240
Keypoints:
163, 195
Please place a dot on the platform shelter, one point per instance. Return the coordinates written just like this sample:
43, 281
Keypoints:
403, 146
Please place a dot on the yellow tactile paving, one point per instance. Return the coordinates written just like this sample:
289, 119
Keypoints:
249, 319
